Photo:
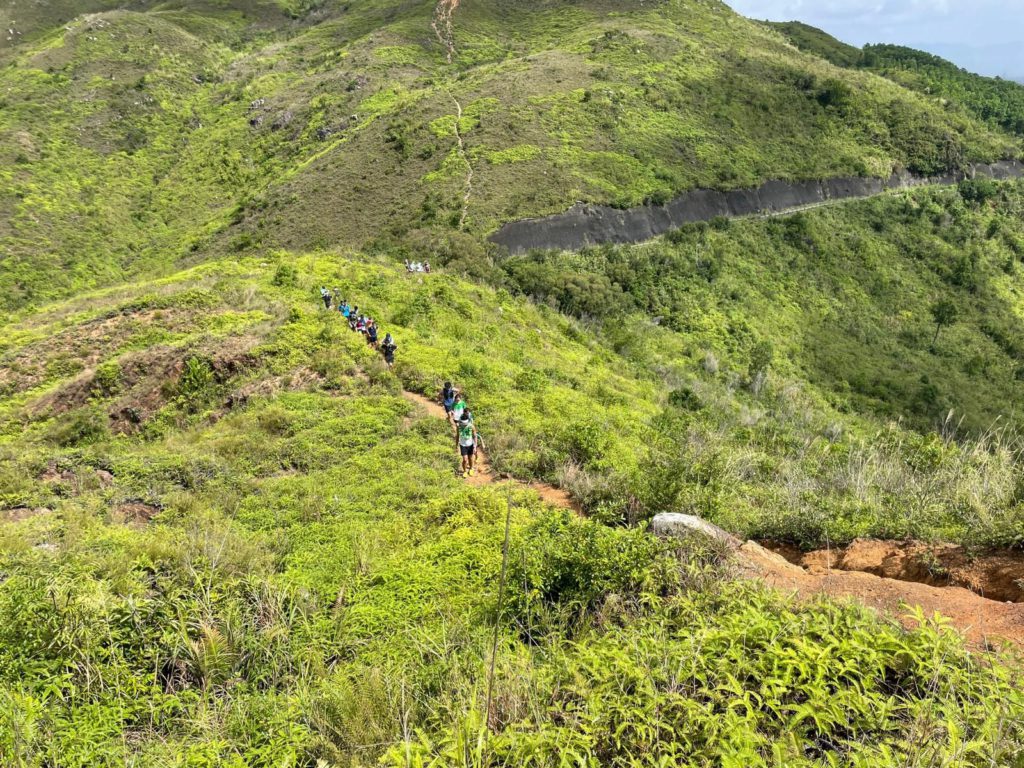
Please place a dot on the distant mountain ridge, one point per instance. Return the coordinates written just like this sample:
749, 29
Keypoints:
211, 129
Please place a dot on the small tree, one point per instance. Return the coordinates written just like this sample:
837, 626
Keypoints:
944, 313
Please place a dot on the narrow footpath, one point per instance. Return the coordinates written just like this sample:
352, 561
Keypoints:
982, 621
556, 497
891, 577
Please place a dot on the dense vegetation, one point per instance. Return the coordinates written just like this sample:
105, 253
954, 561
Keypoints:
228, 538
995, 101
820, 43
237, 545
844, 296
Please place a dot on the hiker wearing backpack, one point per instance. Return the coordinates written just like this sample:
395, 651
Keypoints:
326, 296
388, 349
448, 395
467, 437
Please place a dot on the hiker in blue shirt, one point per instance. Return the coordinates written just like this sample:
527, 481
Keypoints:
448, 395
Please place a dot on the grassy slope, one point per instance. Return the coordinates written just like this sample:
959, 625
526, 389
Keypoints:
818, 42
315, 584
995, 101
844, 294
318, 585
127, 142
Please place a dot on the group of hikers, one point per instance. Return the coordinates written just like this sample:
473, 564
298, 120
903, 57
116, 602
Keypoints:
417, 266
466, 434
467, 437
360, 323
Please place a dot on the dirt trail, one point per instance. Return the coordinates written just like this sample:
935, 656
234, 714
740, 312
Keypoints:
981, 620
485, 475
468, 192
442, 26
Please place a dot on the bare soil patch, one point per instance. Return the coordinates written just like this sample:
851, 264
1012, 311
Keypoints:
895, 577
17, 514
135, 513
995, 575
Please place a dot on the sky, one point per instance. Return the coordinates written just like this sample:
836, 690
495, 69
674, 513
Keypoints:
985, 36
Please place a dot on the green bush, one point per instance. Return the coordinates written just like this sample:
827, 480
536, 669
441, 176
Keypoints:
978, 190
81, 427
285, 276
564, 570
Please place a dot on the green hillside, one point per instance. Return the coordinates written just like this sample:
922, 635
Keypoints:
231, 535
137, 140
844, 295
820, 43
230, 541
993, 100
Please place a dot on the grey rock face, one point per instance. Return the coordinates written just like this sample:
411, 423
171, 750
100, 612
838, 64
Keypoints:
584, 224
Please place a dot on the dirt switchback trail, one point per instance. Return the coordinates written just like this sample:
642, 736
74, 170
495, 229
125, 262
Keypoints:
485, 475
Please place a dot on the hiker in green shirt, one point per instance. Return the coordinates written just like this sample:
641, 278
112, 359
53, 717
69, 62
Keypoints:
467, 437
459, 408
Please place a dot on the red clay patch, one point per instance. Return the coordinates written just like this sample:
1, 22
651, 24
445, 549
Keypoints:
996, 575
894, 576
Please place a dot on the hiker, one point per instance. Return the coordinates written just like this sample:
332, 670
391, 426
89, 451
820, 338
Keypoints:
326, 296
426, 267
388, 348
459, 408
337, 297
346, 309
371, 334
353, 318
408, 266
448, 395
467, 437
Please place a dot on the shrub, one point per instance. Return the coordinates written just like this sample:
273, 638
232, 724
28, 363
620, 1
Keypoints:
285, 276
81, 427
978, 191
834, 93
685, 399
106, 380
566, 569
196, 378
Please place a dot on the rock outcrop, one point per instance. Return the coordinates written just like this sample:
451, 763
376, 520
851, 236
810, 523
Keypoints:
585, 224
